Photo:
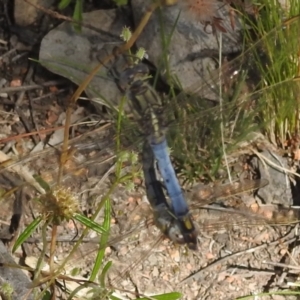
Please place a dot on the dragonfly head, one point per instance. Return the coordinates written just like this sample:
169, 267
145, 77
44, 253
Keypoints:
188, 238
133, 77
179, 230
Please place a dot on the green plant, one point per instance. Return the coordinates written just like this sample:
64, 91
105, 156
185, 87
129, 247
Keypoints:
77, 14
276, 60
7, 290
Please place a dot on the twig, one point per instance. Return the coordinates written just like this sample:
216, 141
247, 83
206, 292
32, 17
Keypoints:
221, 109
59, 16
19, 111
8, 53
19, 56
265, 159
44, 96
233, 272
281, 265
32, 86
23, 171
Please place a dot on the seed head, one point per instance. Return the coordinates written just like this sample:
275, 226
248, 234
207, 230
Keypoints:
59, 203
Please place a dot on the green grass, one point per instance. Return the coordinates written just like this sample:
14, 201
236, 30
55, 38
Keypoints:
278, 101
263, 98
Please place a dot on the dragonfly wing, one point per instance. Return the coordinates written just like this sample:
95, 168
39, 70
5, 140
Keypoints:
215, 218
203, 195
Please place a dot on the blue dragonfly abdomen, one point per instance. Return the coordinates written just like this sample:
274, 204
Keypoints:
178, 229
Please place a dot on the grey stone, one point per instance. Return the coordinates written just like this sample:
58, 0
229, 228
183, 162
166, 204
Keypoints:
74, 55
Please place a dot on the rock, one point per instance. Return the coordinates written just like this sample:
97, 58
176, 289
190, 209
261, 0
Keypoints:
14, 277
26, 14
74, 55
191, 49
278, 191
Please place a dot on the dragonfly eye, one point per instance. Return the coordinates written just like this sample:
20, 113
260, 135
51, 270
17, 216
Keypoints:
168, 225
175, 235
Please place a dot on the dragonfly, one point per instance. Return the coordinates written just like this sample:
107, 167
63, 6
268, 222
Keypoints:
147, 106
